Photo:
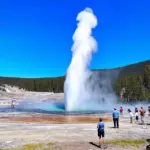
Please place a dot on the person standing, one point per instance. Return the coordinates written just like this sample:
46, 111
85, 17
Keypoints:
142, 114
121, 111
136, 109
136, 115
13, 103
116, 118
101, 132
131, 115
149, 111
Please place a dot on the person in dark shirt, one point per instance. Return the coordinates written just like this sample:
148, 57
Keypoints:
149, 111
136, 115
101, 132
116, 118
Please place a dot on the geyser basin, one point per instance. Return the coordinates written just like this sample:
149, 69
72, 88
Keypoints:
41, 106
52, 114
51, 107
53, 118
48, 113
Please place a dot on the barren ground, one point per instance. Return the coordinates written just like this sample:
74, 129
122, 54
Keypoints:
19, 129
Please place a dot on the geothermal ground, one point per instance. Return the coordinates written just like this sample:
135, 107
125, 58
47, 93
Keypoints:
22, 95
66, 132
19, 129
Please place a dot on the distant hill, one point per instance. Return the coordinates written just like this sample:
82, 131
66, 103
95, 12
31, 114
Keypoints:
137, 68
57, 84
110, 75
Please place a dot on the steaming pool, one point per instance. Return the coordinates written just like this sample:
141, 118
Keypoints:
53, 107
49, 113
55, 113
57, 108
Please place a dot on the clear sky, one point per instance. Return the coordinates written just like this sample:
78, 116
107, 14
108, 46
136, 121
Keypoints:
36, 35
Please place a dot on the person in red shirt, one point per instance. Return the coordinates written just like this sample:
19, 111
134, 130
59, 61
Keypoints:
121, 111
142, 114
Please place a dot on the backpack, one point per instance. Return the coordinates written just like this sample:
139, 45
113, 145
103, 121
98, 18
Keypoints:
121, 110
142, 112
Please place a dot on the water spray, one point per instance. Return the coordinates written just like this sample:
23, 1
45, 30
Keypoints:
82, 49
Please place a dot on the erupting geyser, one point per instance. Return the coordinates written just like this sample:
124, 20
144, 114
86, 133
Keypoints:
76, 91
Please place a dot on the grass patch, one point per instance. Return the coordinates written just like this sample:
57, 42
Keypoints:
125, 143
38, 146
50, 143
32, 146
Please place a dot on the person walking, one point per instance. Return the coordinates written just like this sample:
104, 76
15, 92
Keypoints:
116, 118
101, 132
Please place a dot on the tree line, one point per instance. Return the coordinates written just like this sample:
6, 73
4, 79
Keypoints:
129, 87
135, 87
55, 85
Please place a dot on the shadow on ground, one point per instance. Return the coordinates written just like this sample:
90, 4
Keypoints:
99, 146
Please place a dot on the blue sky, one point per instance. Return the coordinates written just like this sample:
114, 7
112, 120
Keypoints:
36, 36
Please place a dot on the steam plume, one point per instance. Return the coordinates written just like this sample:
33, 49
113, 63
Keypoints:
77, 74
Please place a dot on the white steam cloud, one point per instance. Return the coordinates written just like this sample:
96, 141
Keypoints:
84, 45
82, 92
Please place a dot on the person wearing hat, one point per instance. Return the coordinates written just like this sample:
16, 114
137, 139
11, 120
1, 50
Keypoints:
116, 118
101, 132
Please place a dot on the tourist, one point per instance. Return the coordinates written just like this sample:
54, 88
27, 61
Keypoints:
149, 111
121, 111
13, 103
142, 114
136, 109
116, 118
136, 115
131, 115
101, 132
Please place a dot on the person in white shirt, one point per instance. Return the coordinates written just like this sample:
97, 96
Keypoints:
131, 115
